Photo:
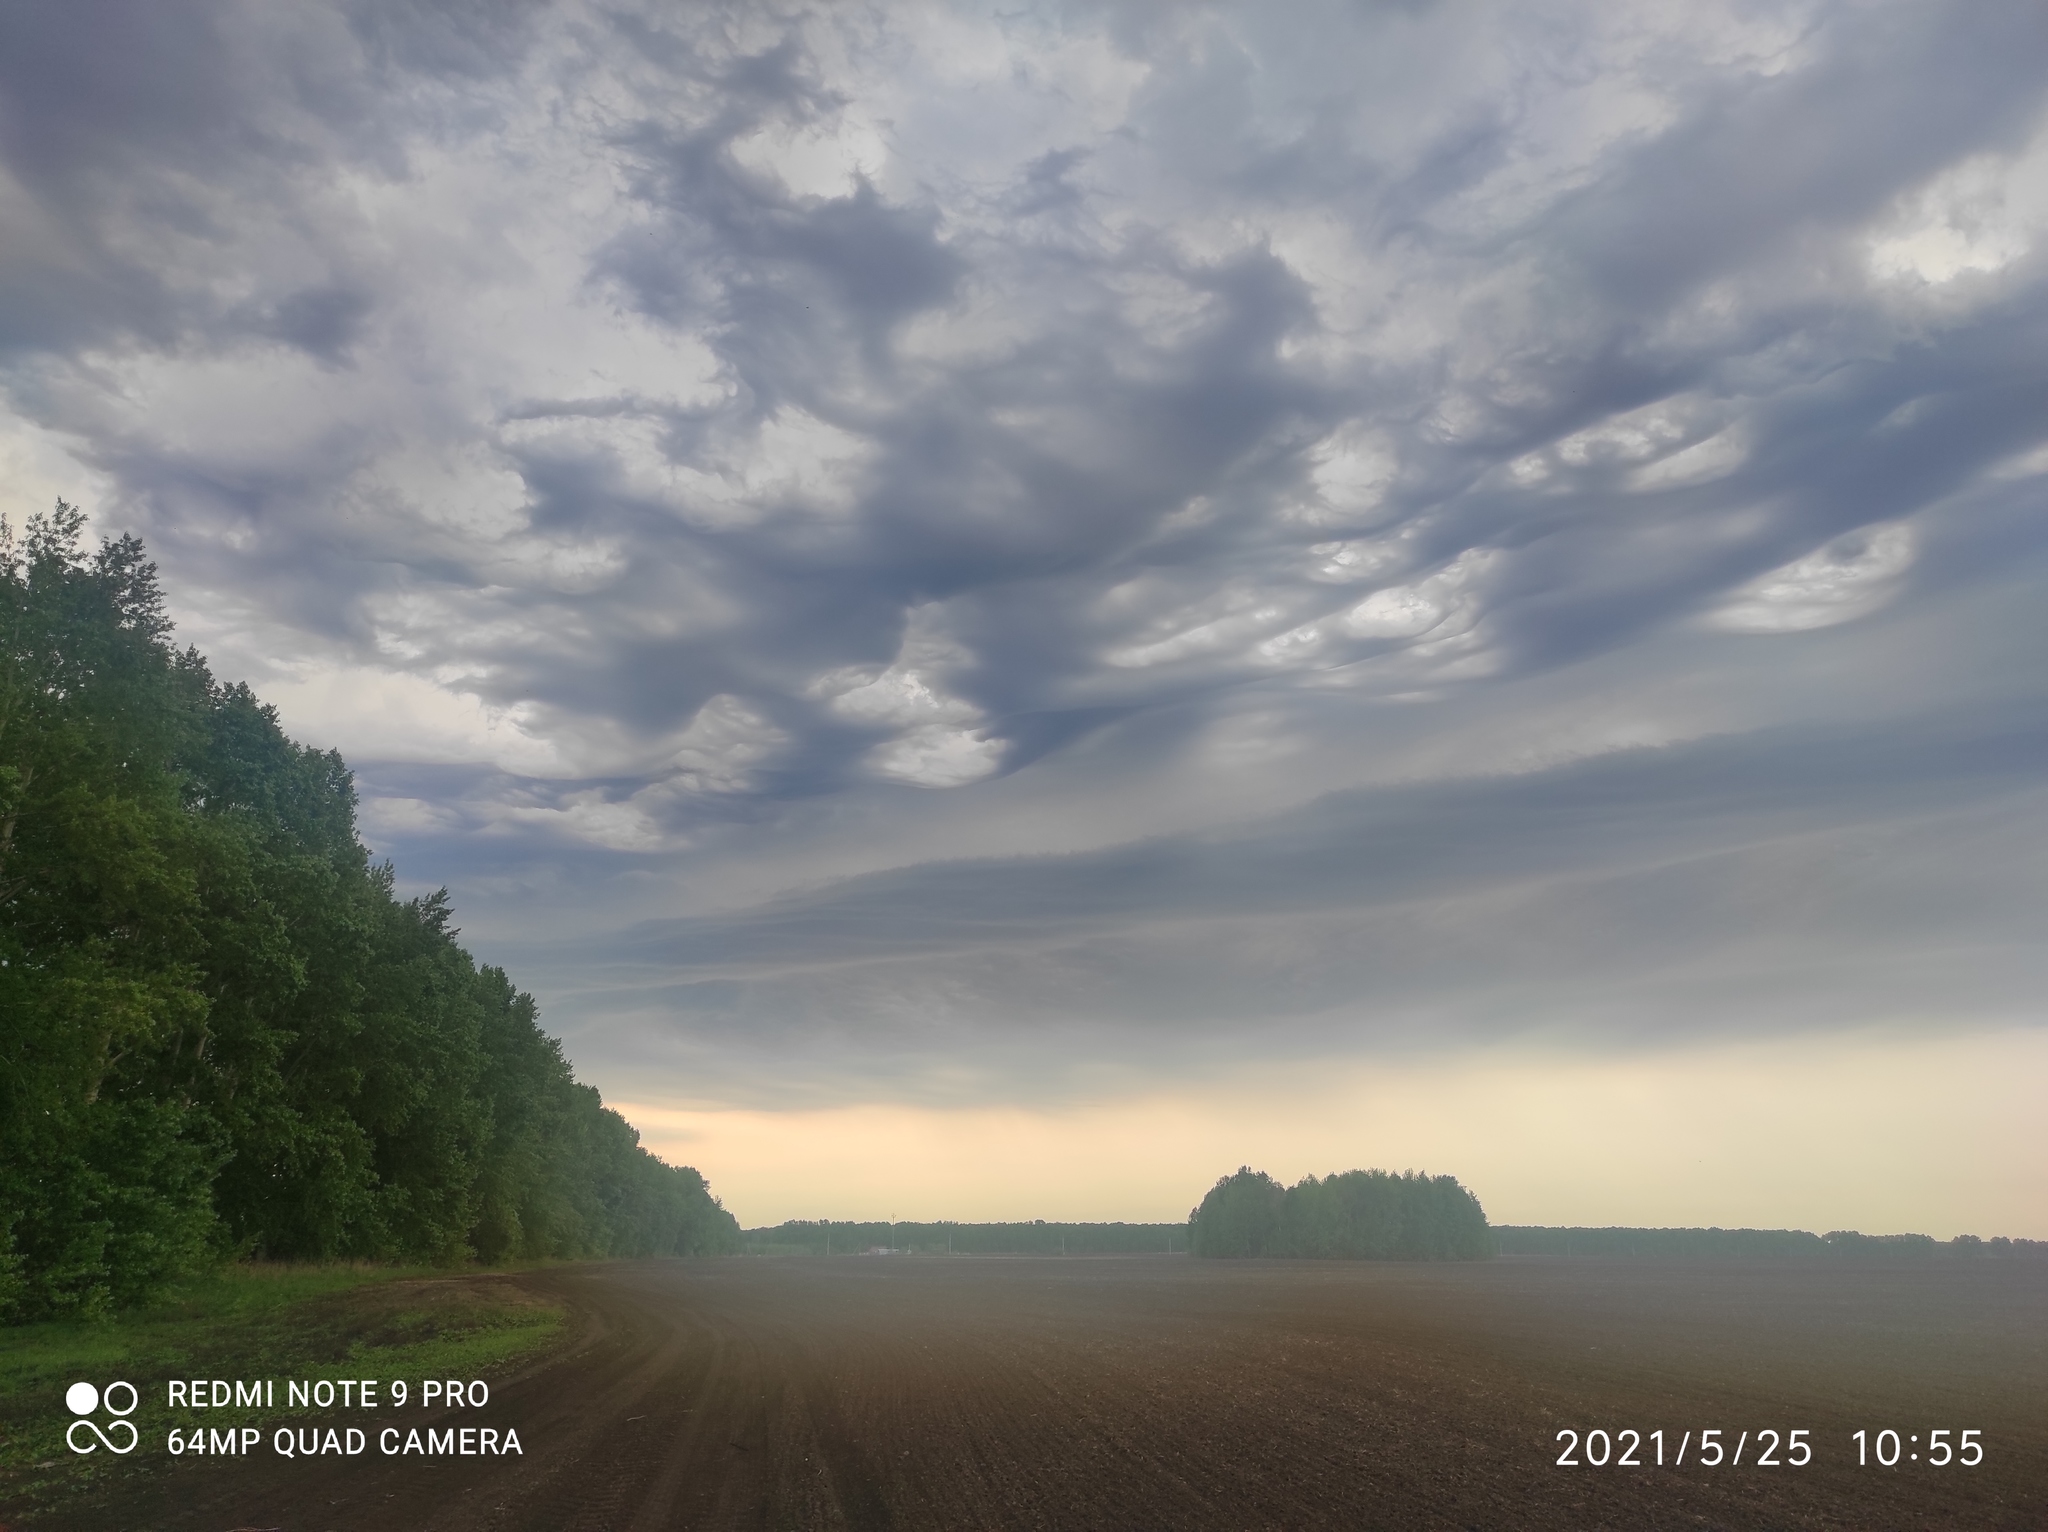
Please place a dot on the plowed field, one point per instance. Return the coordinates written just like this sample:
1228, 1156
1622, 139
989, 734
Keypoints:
871, 1392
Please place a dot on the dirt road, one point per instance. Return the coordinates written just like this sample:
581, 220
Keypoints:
871, 1392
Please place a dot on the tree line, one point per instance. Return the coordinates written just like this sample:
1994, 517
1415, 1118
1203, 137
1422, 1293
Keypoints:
1746, 1244
808, 1236
223, 1033
1354, 1215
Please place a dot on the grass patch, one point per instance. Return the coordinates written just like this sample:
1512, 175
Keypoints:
469, 1338
198, 1318
277, 1322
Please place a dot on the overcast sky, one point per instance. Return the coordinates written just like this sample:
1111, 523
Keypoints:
971, 562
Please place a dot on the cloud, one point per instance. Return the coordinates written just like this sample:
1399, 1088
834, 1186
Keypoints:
1795, 877
1849, 577
678, 451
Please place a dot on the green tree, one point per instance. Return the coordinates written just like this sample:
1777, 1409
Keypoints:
1243, 1215
104, 1180
1355, 1215
222, 1031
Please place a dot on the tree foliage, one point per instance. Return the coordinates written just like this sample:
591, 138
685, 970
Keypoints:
221, 1030
1355, 1215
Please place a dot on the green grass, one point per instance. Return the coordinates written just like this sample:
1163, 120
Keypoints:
249, 1321
188, 1322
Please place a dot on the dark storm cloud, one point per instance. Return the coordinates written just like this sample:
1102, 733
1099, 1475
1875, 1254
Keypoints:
130, 127
651, 440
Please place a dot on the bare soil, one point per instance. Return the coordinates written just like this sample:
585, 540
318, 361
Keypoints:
1139, 1392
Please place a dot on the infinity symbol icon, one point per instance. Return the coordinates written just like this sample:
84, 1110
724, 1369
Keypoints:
71, 1436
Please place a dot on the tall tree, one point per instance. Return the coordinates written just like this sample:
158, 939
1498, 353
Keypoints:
223, 1032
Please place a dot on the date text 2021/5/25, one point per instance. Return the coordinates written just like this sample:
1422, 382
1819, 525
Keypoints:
1633, 1449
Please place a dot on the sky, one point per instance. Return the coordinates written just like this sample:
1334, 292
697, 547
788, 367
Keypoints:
1003, 609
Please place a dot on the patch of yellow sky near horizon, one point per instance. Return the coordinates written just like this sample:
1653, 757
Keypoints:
1885, 1134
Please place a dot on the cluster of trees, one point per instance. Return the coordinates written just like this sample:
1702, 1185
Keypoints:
1355, 1215
807, 1236
221, 1033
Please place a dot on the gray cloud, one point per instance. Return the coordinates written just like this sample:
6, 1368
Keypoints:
1788, 877
1393, 844
688, 456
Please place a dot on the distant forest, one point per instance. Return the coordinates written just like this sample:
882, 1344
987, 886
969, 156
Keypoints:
803, 1236
1764, 1244
1356, 1215
839, 1237
221, 1032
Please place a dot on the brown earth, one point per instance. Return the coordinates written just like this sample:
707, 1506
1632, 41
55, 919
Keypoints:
1138, 1392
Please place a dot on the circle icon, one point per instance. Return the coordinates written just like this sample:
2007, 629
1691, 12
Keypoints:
107, 1397
81, 1398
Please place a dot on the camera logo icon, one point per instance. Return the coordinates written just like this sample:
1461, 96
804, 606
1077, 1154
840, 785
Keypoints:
84, 1400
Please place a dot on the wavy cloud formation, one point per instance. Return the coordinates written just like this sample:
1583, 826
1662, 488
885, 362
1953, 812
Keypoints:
683, 455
